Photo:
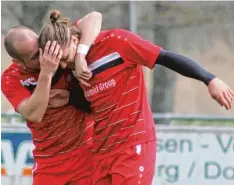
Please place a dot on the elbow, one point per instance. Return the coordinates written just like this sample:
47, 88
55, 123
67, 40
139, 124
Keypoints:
96, 15
31, 112
98, 20
34, 119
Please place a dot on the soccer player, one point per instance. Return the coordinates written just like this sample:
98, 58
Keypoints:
124, 131
61, 134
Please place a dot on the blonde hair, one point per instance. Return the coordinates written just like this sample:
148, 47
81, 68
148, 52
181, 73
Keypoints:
57, 30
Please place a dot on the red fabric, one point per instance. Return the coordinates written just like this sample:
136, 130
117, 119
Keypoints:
127, 167
75, 170
12, 86
62, 130
118, 96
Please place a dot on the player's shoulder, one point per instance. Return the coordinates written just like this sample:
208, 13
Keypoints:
121, 34
10, 74
12, 70
112, 34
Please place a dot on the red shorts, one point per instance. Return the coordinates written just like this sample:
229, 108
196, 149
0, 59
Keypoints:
75, 170
133, 166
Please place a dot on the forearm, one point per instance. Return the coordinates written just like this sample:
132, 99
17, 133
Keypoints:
90, 27
184, 66
34, 108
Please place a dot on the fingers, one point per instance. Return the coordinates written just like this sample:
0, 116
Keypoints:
231, 92
59, 56
84, 83
56, 52
228, 99
231, 96
47, 47
52, 47
221, 93
224, 102
52, 51
218, 101
86, 75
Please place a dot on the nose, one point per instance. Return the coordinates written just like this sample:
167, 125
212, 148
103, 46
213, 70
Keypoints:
63, 64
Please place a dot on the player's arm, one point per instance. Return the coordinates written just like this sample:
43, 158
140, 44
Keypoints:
143, 52
189, 68
74, 94
90, 27
22, 100
140, 51
184, 66
33, 107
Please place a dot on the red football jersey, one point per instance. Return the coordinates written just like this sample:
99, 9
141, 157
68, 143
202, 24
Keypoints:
62, 130
118, 96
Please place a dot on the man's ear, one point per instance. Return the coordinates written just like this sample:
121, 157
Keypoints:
75, 39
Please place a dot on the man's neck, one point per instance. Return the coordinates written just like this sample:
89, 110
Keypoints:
29, 70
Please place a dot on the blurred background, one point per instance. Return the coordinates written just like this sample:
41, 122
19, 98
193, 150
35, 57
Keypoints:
185, 114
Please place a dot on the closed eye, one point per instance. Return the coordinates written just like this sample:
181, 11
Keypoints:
64, 58
35, 55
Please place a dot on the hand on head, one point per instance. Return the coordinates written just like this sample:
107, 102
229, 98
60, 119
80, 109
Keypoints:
68, 39
50, 57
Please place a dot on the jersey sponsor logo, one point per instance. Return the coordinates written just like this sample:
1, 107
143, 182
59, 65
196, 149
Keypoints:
100, 87
100, 65
29, 83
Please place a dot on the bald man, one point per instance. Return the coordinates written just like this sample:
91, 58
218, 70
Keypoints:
61, 133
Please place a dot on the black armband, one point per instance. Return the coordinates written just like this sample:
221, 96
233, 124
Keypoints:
184, 66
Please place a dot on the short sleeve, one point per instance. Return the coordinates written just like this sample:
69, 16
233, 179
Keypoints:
135, 49
13, 90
